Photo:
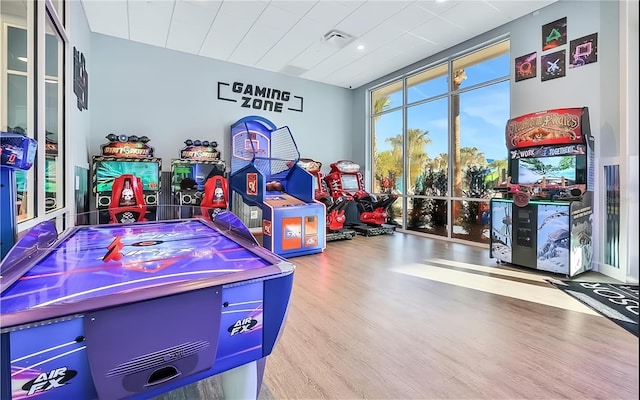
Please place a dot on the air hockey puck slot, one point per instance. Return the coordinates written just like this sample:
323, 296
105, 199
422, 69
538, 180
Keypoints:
162, 375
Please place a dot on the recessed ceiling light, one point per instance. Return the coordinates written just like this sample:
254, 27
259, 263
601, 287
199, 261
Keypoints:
360, 47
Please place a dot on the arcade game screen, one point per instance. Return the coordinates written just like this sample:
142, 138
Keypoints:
349, 182
199, 172
553, 169
107, 170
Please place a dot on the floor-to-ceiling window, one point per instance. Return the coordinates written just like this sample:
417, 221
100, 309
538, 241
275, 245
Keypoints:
32, 70
438, 142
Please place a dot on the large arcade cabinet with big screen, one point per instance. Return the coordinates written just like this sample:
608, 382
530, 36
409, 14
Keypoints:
115, 174
132, 311
544, 218
265, 174
198, 164
345, 179
17, 153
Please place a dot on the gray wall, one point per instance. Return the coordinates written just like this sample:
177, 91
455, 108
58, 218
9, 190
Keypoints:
171, 96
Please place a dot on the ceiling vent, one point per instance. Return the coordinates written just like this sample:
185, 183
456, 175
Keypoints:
337, 38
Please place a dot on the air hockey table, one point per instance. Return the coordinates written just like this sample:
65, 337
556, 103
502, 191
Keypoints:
136, 310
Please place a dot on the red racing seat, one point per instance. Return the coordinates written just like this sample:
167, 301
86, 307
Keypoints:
127, 200
215, 197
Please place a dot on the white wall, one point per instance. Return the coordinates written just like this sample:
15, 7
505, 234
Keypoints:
170, 96
78, 126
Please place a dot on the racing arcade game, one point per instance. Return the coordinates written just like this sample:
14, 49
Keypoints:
544, 218
345, 179
125, 155
17, 152
199, 163
336, 208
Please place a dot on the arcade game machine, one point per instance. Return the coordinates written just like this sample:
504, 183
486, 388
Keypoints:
259, 129
293, 223
125, 155
17, 153
133, 311
345, 179
544, 218
336, 217
199, 162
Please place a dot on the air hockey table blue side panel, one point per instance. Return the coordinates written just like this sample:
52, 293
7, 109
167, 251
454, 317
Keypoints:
50, 362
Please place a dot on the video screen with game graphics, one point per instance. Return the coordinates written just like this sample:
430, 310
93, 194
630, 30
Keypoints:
199, 172
531, 171
349, 182
105, 171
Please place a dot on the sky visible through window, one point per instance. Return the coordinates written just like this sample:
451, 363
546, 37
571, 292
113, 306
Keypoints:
483, 114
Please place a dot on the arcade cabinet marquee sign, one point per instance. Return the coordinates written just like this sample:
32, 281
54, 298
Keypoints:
259, 97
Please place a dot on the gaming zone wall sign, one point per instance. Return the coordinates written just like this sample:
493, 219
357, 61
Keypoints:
80, 80
259, 97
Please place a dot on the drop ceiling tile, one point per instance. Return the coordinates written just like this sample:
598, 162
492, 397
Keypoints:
249, 10
370, 15
517, 9
438, 7
154, 30
466, 16
225, 34
298, 8
189, 26
410, 17
313, 55
254, 45
329, 13
439, 31
107, 17
301, 36
408, 42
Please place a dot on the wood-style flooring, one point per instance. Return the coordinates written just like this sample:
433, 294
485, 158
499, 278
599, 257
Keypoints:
406, 317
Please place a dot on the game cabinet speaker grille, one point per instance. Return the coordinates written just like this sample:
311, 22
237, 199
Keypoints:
158, 358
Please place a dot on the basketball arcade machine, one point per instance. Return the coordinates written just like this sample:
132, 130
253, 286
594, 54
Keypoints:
265, 174
17, 152
191, 188
345, 179
544, 218
126, 180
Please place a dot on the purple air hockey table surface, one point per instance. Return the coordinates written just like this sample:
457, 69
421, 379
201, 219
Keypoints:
136, 310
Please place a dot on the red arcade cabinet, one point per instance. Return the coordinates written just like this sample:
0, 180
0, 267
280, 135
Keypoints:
336, 217
215, 197
345, 179
127, 200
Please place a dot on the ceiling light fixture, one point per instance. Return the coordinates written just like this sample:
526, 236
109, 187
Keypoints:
23, 59
360, 47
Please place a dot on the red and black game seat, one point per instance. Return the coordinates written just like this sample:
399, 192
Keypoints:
215, 197
335, 206
345, 179
127, 200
